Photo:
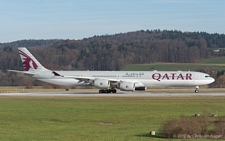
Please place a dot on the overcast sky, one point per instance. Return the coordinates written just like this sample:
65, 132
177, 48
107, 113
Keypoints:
78, 19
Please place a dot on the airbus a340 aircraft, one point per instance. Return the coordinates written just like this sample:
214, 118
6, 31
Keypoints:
109, 81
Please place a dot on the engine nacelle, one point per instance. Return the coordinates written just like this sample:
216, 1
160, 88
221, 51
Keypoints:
101, 83
126, 86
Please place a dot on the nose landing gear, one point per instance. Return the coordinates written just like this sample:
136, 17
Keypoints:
196, 89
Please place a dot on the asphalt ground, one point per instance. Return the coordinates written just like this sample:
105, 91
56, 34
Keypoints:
95, 93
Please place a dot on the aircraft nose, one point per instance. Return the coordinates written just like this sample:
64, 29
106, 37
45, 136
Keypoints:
212, 80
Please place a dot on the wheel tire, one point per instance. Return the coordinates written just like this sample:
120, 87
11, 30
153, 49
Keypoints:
196, 91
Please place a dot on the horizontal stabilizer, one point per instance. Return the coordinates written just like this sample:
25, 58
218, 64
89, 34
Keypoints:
22, 72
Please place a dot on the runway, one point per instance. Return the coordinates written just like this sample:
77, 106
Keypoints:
96, 94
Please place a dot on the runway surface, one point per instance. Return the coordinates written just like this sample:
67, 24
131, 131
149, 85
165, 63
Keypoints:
118, 94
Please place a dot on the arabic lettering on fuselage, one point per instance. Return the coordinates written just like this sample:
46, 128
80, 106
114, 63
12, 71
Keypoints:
135, 73
171, 76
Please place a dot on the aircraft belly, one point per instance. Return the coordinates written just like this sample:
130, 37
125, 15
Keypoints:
183, 82
169, 83
148, 83
202, 82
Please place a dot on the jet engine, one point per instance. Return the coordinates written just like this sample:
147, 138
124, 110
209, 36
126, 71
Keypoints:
126, 86
101, 83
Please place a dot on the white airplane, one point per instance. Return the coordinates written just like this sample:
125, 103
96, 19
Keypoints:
109, 81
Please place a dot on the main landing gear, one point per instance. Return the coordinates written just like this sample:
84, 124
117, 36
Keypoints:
196, 89
107, 91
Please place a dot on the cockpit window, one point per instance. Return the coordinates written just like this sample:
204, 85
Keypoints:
207, 76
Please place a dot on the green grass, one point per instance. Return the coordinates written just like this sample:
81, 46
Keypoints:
30, 118
217, 63
173, 66
216, 60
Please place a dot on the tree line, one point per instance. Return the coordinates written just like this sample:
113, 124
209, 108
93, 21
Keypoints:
112, 52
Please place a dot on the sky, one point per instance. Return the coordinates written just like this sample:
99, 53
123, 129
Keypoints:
78, 19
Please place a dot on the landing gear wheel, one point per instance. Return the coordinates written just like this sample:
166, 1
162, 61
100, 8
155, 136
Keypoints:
113, 91
107, 91
196, 91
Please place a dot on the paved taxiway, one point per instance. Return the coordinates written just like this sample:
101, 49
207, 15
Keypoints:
118, 94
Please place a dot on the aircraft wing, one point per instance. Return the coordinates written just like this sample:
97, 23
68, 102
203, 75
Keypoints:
88, 79
81, 79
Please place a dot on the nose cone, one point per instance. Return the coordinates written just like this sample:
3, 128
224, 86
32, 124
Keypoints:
212, 80
209, 80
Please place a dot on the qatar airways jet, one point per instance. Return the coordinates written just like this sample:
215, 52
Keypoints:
109, 81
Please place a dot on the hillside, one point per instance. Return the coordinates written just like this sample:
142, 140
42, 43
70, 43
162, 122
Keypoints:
30, 43
113, 52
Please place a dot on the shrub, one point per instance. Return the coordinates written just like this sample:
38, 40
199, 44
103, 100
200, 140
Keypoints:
204, 126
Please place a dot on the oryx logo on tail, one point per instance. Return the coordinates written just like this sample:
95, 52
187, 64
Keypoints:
27, 61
